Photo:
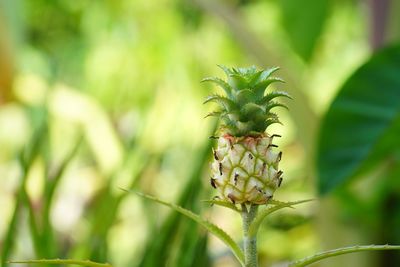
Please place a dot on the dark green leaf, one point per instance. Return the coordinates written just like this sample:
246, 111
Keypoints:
238, 81
361, 120
244, 96
304, 21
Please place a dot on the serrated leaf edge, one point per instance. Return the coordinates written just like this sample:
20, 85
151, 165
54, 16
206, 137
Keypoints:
255, 225
87, 263
339, 251
211, 227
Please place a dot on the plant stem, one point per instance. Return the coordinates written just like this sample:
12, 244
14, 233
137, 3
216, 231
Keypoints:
250, 242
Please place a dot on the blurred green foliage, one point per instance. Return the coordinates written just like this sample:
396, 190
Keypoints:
102, 95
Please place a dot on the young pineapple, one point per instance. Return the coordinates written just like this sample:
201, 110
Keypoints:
245, 167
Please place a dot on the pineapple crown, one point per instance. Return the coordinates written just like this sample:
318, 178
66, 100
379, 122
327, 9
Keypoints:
246, 108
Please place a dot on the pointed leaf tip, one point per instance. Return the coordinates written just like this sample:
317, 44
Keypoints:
266, 73
221, 83
225, 69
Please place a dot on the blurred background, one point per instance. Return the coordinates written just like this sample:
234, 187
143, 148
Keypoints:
96, 96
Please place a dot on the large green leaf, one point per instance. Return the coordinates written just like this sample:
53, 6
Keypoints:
361, 125
304, 22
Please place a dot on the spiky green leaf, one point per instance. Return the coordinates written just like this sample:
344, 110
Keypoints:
226, 103
272, 119
256, 77
246, 108
221, 83
255, 225
269, 122
259, 88
215, 114
266, 73
63, 262
339, 251
212, 228
237, 82
222, 203
268, 97
273, 104
227, 70
244, 96
251, 109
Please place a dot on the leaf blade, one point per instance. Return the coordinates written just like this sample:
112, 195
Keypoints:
221, 83
255, 225
304, 22
222, 203
87, 263
212, 228
339, 251
367, 106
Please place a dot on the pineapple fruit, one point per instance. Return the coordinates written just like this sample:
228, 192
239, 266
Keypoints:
245, 168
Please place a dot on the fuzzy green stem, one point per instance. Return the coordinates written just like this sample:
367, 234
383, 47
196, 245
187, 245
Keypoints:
250, 242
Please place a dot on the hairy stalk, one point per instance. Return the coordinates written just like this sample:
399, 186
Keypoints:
250, 242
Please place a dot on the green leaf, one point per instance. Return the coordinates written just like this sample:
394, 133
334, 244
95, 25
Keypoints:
244, 96
268, 72
255, 225
223, 101
26, 158
339, 251
159, 249
212, 228
268, 97
238, 81
215, 114
256, 77
251, 110
361, 126
304, 22
269, 122
221, 83
227, 70
259, 88
53, 180
273, 104
60, 261
223, 203
272, 120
